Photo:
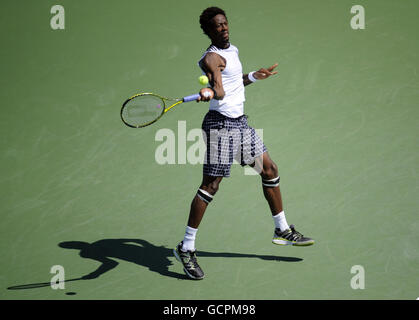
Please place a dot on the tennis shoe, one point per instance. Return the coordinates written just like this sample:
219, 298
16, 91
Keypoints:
189, 261
291, 237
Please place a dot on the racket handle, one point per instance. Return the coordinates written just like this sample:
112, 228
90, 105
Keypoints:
191, 98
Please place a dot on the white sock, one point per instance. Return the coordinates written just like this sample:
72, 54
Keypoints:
189, 239
280, 221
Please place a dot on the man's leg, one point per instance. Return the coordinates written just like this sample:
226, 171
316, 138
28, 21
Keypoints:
272, 193
200, 202
284, 234
203, 197
185, 251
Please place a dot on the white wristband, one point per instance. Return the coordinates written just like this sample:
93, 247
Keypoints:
251, 77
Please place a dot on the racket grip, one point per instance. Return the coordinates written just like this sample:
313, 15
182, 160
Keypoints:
191, 98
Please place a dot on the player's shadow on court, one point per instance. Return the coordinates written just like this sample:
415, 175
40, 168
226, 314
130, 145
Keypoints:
140, 252
144, 253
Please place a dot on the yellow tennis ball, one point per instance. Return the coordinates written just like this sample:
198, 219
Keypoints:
203, 80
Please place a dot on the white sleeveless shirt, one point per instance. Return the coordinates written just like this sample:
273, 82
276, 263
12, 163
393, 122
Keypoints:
232, 105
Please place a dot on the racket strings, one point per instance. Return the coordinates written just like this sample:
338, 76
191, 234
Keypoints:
142, 110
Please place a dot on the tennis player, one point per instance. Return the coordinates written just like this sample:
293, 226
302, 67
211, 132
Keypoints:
228, 136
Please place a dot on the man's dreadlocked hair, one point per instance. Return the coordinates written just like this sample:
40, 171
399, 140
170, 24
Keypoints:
207, 15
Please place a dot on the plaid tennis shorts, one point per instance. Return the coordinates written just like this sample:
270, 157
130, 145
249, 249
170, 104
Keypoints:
228, 139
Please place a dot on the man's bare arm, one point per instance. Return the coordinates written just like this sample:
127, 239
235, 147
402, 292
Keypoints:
213, 64
261, 74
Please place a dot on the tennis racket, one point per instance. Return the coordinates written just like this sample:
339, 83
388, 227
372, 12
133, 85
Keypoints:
144, 109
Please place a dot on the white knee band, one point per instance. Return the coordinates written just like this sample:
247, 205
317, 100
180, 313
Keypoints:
204, 195
271, 183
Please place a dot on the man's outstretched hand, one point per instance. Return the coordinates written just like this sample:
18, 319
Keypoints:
264, 73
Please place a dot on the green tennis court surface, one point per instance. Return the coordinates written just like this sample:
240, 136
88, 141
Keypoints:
340, 120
